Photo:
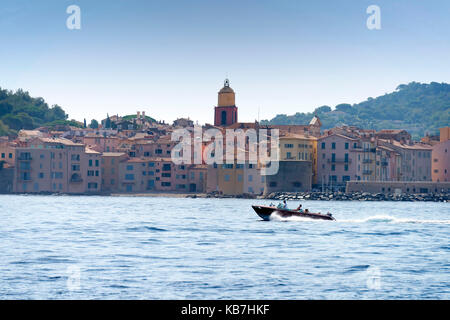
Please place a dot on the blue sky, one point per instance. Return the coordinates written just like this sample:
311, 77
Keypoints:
170, 57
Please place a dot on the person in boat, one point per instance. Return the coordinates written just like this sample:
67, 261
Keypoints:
299, 208
306, 211
283, 205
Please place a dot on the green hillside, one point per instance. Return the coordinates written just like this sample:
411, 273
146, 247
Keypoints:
418, 108
20, 111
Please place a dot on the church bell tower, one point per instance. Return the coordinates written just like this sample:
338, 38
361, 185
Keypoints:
225, 114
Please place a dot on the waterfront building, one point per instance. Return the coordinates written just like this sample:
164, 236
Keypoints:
297, 169
340, 159
56, 166
160, 174
415, 160
441, 157
110, 166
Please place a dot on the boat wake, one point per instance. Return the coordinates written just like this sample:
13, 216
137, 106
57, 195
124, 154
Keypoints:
275, 216
391, 219
373, 219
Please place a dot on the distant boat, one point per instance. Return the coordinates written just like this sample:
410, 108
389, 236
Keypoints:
264, 212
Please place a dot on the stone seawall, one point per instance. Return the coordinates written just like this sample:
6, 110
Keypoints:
357, 196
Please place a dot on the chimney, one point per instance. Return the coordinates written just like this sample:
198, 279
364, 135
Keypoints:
143, 114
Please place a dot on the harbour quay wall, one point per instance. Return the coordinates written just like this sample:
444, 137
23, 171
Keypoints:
398, 187
357, 196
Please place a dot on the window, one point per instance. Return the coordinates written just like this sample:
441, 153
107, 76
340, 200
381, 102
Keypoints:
250, 178
129, 168
92, 185
3, 156
289, 145
346, 145
333, 167
165, 184
323, 145
239, 177
166, 167
273, 184
226, 177
223, 118
333, 145
75, 167
96, 163
90, 162
128, 176
346, 167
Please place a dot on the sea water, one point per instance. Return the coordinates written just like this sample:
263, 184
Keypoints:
75, 247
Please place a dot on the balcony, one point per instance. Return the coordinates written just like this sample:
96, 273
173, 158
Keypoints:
24, 157
339, 160
76, 179
384, 163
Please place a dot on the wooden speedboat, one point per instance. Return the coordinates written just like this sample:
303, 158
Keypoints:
264, 212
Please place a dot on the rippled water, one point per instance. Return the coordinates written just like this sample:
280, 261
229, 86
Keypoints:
55, 247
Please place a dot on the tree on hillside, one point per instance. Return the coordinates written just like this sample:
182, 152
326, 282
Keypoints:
94, 124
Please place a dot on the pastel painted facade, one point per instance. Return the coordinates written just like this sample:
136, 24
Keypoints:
110, 170
441, 157
57, 166
339, 159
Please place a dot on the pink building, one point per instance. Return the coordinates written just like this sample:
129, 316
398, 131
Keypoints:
338, 157
56, 166
441, 159
160, 174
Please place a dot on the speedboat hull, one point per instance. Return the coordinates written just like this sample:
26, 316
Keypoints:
264, 212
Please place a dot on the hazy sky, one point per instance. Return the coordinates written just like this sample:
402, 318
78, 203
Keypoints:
170, 57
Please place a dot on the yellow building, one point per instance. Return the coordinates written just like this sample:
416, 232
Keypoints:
297, 147
444, 134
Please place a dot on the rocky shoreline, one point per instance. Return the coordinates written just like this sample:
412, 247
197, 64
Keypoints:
357, 196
